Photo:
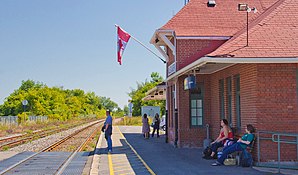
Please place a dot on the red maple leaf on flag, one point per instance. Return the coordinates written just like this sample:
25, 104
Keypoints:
122, 40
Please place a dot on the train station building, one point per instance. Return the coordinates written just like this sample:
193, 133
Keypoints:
232, 59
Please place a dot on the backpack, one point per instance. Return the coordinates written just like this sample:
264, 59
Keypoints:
207, 151
246, 159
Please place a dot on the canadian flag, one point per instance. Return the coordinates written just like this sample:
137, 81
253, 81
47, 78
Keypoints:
122, 40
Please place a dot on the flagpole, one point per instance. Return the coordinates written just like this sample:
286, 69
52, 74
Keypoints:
145, 46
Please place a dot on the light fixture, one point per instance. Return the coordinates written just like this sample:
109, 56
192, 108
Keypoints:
211, 3
244, 7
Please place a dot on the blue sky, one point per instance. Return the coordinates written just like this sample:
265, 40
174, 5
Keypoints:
72, 43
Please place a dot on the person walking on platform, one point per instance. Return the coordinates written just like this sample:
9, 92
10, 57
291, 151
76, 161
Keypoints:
108, 130
156, 122
145, 127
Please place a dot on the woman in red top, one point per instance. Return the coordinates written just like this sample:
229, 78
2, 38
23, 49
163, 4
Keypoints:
224, 135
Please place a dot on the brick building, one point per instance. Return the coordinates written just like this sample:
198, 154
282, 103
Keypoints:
246, 77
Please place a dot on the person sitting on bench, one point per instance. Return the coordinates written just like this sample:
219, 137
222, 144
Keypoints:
225, 135
240, 145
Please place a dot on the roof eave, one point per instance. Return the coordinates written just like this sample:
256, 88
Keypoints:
252, 60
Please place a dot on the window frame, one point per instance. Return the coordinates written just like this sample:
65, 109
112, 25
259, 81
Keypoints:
196, 94
229, 100
222, 98
238, 101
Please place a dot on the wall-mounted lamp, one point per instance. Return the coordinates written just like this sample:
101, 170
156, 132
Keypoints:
211, 3
242, 7
156, 40
245, 7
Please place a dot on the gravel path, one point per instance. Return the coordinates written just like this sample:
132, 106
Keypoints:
39, 144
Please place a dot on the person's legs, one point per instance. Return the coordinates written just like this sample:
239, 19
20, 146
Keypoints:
229, 150
214, 148
157, 132
109, 142
153, 132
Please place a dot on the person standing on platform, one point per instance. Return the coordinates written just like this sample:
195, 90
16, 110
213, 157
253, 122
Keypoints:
145, 127
108, 130
156, 122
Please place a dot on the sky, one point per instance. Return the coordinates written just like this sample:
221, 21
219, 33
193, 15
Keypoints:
72, 44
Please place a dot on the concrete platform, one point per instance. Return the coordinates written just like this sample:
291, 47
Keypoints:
157, 157
7, 154
132, 154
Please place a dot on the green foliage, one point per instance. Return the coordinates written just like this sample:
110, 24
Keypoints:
56, 103
5, 148
107, 103
125, 110
131, 121
139, 93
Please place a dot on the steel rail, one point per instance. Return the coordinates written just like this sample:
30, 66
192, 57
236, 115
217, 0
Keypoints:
45, 149
69, 159
37, 134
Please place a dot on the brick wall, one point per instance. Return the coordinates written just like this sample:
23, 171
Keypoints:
277, 97
268, 101
277, 108
195, 136
190, 50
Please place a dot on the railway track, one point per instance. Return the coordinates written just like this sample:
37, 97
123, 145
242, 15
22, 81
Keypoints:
24, 138
47, 161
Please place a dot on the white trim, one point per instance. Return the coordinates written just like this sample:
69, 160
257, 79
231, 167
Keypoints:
167, 41
175, 95
216, 70
200, 62
164, 54
250, 60
162, 34
204, 37
159, 31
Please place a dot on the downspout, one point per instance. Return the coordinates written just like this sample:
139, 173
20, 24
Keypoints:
176, 107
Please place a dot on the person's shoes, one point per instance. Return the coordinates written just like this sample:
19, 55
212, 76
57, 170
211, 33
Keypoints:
109, 151
157, 136
216, 164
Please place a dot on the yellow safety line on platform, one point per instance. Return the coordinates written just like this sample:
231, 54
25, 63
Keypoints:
144, 163
110, 164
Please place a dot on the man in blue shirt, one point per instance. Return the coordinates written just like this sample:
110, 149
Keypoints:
108, 130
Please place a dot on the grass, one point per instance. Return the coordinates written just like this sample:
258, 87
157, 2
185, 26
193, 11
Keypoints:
30, 127
29, 131
5, 148
132, 121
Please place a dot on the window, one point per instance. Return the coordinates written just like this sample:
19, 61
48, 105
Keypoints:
229, 98
196, 107
237, 102
221, 99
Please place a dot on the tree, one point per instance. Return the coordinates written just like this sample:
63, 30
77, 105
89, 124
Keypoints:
125, 110
156, 77
107, 103
138, 94
55, 102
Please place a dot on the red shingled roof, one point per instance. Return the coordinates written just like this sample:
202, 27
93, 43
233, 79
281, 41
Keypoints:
196, 19
272, 34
